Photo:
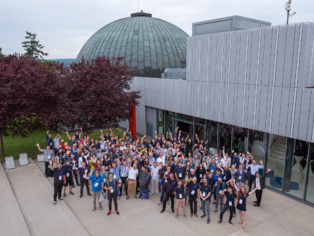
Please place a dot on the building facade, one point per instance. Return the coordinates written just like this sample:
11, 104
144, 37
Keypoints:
248, 90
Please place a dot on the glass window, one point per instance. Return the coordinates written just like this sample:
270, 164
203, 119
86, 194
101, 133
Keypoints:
310, 183
225, 137
257, 145
295, 168
168, 121
276, 161
211, 134
240, 140
160, 121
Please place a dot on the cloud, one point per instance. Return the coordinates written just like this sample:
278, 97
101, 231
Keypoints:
64, 26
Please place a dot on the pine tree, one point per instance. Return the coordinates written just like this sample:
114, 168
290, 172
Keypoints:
32, 47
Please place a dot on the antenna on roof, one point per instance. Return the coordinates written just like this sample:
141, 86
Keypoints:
288, 9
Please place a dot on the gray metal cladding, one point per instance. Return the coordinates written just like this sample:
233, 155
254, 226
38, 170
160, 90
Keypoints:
256, 79
148, 45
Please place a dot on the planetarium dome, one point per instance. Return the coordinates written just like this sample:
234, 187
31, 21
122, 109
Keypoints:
147, 44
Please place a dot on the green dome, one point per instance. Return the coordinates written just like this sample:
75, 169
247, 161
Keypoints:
148, 45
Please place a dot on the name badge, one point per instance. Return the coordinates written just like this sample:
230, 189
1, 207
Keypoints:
230, 203
114, 176
166, 181
49, 157
224, 177
180, 175
104, 180
192, 192
95, 185
111, 190
201, 175
212, 171
68, 174
60, 177
84, 176
180, 195
240, 177
240, 201
204, 194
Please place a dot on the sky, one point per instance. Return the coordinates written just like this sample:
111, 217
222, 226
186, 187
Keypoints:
63, 26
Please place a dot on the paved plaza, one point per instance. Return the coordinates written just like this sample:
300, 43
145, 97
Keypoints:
27, 209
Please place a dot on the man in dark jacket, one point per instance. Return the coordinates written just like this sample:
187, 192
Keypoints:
259, 185
169, 193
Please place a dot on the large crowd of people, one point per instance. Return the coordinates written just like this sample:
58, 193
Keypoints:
164, 165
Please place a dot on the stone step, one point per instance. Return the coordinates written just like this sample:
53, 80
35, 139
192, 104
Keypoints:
12, 221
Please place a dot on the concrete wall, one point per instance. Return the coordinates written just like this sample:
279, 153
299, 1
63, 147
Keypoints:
255, 79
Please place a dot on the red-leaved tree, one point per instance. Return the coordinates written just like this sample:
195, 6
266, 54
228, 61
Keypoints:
28, 95
97, 94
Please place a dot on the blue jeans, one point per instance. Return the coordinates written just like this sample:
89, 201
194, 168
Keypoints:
205, 204
144, 192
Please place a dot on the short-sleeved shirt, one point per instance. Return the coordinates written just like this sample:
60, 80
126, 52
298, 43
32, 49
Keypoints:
154, 172
58, 175
132, 173
67, 171
96, 183
193, 190
179, 192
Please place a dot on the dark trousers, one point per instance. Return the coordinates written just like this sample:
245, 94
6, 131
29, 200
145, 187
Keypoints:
258, 194
46, 167
76, 177
125, 185
112, 196
224, 209
162, 195
193, 205
86, 183
251, 180
165, 200
57, 190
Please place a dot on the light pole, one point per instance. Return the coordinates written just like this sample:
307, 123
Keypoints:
288, 9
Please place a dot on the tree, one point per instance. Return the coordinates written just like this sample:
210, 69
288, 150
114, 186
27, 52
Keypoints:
29, 95
1, 54
97, 94
32, 47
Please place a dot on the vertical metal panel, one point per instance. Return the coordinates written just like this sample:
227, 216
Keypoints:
304, 113
290, 114
288, 59
281, 55
311, 49
284, 107
263, 111
297, 112
251, 97
305, 56
310, 134
276, 112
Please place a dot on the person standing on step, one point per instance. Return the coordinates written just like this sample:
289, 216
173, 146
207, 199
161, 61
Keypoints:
48, 155
84, 173
205, 195
193, 195
58, 180
68, 171
97, 188
112, 186
230, 196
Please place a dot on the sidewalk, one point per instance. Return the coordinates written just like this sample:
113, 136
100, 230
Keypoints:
11, 218
34, 193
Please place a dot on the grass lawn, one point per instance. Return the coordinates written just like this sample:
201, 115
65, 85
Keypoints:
13, 146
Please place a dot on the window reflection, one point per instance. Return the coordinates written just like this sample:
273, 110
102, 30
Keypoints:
310, 184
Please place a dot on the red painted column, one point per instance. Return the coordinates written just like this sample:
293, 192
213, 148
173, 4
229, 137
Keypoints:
132, 121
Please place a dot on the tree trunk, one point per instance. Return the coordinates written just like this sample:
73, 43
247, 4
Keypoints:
1, 143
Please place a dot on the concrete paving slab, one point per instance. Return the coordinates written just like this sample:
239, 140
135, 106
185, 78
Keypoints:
40, 157
276, 216
12, 222
34, 194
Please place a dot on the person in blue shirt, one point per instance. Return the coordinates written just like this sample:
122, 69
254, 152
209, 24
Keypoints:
115, 170
97, 188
